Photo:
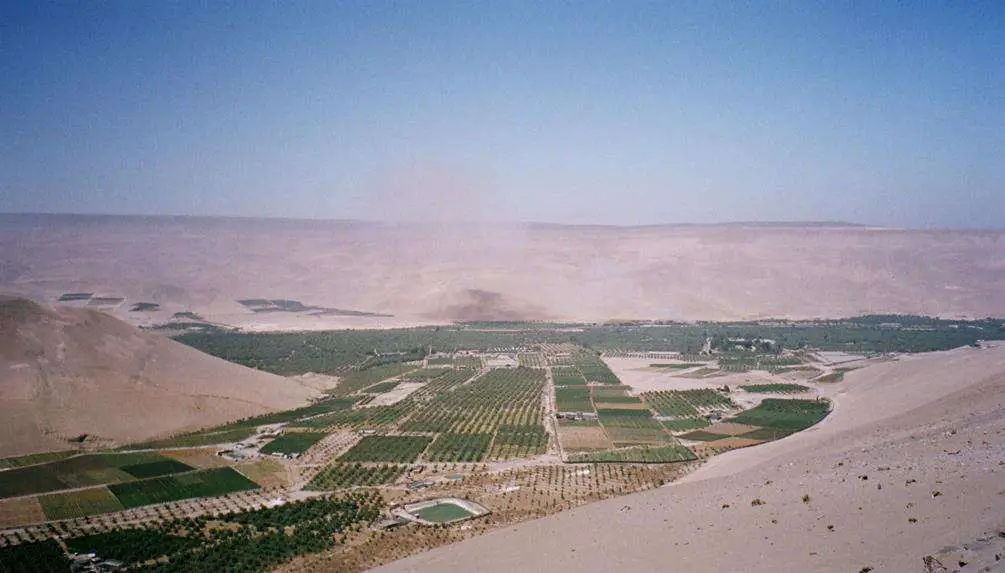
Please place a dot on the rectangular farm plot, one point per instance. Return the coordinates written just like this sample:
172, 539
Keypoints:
702, 436
20, 511
633, 429
74, 472
459, 448
784, 414
583, 438
202, 483
684, 424
81, 503
387, 449
519, 441
293, 443
639, 455
776, 388
573, 400
155, 469
567, 376
339, 476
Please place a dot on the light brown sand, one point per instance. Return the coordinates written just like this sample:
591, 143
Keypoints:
70, 372
900, 432
423, 273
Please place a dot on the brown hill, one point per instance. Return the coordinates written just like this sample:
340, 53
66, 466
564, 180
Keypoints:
492, 271
68, 372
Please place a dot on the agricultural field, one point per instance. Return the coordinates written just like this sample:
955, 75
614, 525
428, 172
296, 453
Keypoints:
459, 448
594, 369
632, 429
501, 396
359, 380
82, 471
784, 414
341, 476
583, 436
778, 388
33, 459
639, 455
79, 503
684, 424
38, 557
573, 399
200, 483
706, 399
381, 387
199, 439
404, 449
671, 403
567, 376
293, 442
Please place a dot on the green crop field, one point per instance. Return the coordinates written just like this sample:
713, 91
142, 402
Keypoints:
501, 396
640, 455
567, 376
633, 429
777, 388
702, 436
293, 442
74, 472
519, 441
32, 459
338, 476
132, 545
157, 468
573, 400
459, 448
38, 557
201, 483
80, 503
767, 434
784, 414
387, 449
670, 403
706, 398
198, 439
381, 387
356, 381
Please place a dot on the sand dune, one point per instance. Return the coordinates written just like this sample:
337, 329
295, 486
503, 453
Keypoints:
66, 372
430, 273
909, 466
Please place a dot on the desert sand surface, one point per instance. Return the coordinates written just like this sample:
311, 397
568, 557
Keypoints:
909, 466
431, 273
66, 373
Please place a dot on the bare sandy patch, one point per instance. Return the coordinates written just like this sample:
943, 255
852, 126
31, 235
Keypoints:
583, 438
19, 511
198, 457
729, 429
395, 395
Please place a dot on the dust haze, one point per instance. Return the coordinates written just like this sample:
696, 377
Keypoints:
427, 272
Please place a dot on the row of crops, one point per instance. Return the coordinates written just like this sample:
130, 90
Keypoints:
341, 475
251, 541
776, 388
500, 397
639, 455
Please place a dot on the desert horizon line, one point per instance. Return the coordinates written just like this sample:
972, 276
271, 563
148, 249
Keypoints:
766, 223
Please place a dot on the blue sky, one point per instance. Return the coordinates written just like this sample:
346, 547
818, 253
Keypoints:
575, 112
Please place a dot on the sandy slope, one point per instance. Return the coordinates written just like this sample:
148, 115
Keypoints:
900, 432
443, 272
68, 372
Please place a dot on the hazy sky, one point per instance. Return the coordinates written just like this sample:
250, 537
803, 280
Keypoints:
621, 113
